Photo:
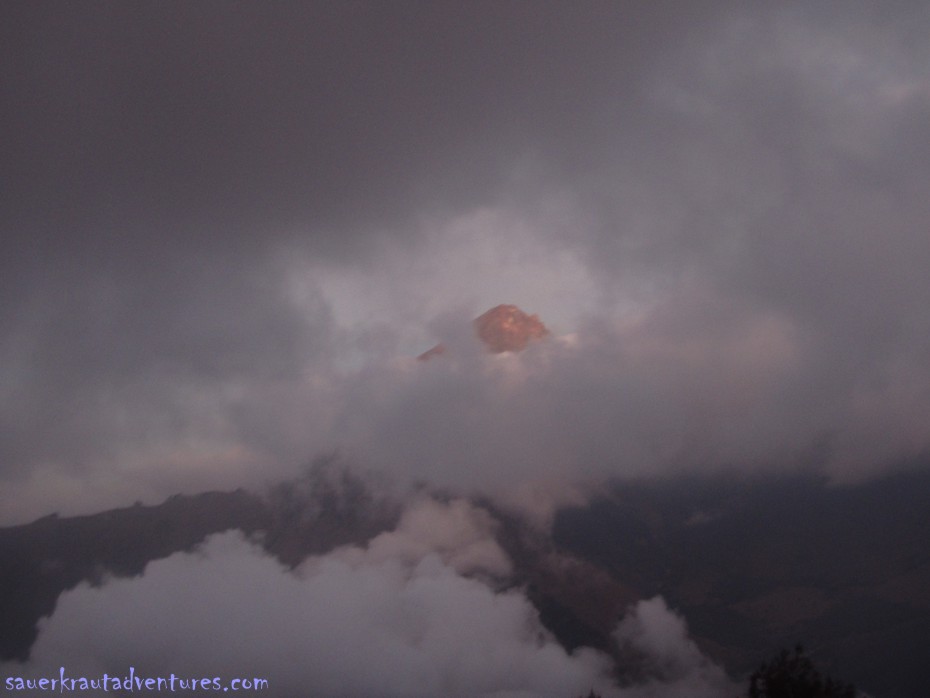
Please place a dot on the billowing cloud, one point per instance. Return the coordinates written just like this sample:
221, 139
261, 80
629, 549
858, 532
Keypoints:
671, 662
361, 627
458, 532
413, 613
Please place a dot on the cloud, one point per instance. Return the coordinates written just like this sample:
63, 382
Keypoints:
676, 665
373, 626
228, 231
226, 228
699, 382
458, 532
412, 613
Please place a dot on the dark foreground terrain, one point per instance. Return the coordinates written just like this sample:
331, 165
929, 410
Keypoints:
754, 565
759, 565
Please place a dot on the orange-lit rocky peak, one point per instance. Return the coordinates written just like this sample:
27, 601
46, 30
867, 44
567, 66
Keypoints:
503, 328
507, 328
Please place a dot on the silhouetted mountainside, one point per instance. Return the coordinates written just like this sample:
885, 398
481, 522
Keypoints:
756, 565
579, 602
327, 508
51, 555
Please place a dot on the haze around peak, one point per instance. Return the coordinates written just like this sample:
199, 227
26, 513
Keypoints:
229, 229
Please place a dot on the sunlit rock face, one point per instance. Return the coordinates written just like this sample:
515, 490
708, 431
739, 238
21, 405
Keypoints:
507, 328
502, 328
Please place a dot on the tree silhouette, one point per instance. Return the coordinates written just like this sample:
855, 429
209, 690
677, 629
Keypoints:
793, 675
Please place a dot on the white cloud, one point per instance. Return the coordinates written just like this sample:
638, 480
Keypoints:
458, 532
376, 627
677, 666
388, 620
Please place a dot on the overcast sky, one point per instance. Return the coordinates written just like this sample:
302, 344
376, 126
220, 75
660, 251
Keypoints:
228, 226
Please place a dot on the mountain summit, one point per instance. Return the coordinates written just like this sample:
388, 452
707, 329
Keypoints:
502, 328
507, 328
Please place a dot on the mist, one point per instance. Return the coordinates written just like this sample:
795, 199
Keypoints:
725, 209
230, 229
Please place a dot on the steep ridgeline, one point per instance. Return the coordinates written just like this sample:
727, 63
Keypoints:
326, 508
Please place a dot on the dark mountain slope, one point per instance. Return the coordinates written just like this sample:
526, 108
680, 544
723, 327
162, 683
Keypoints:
326, 508
758, 564
51, 555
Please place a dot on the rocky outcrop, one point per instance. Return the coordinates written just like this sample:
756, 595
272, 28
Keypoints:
502, 328
507, 328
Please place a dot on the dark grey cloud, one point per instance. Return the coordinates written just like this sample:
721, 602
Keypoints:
333, 116
224, 222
